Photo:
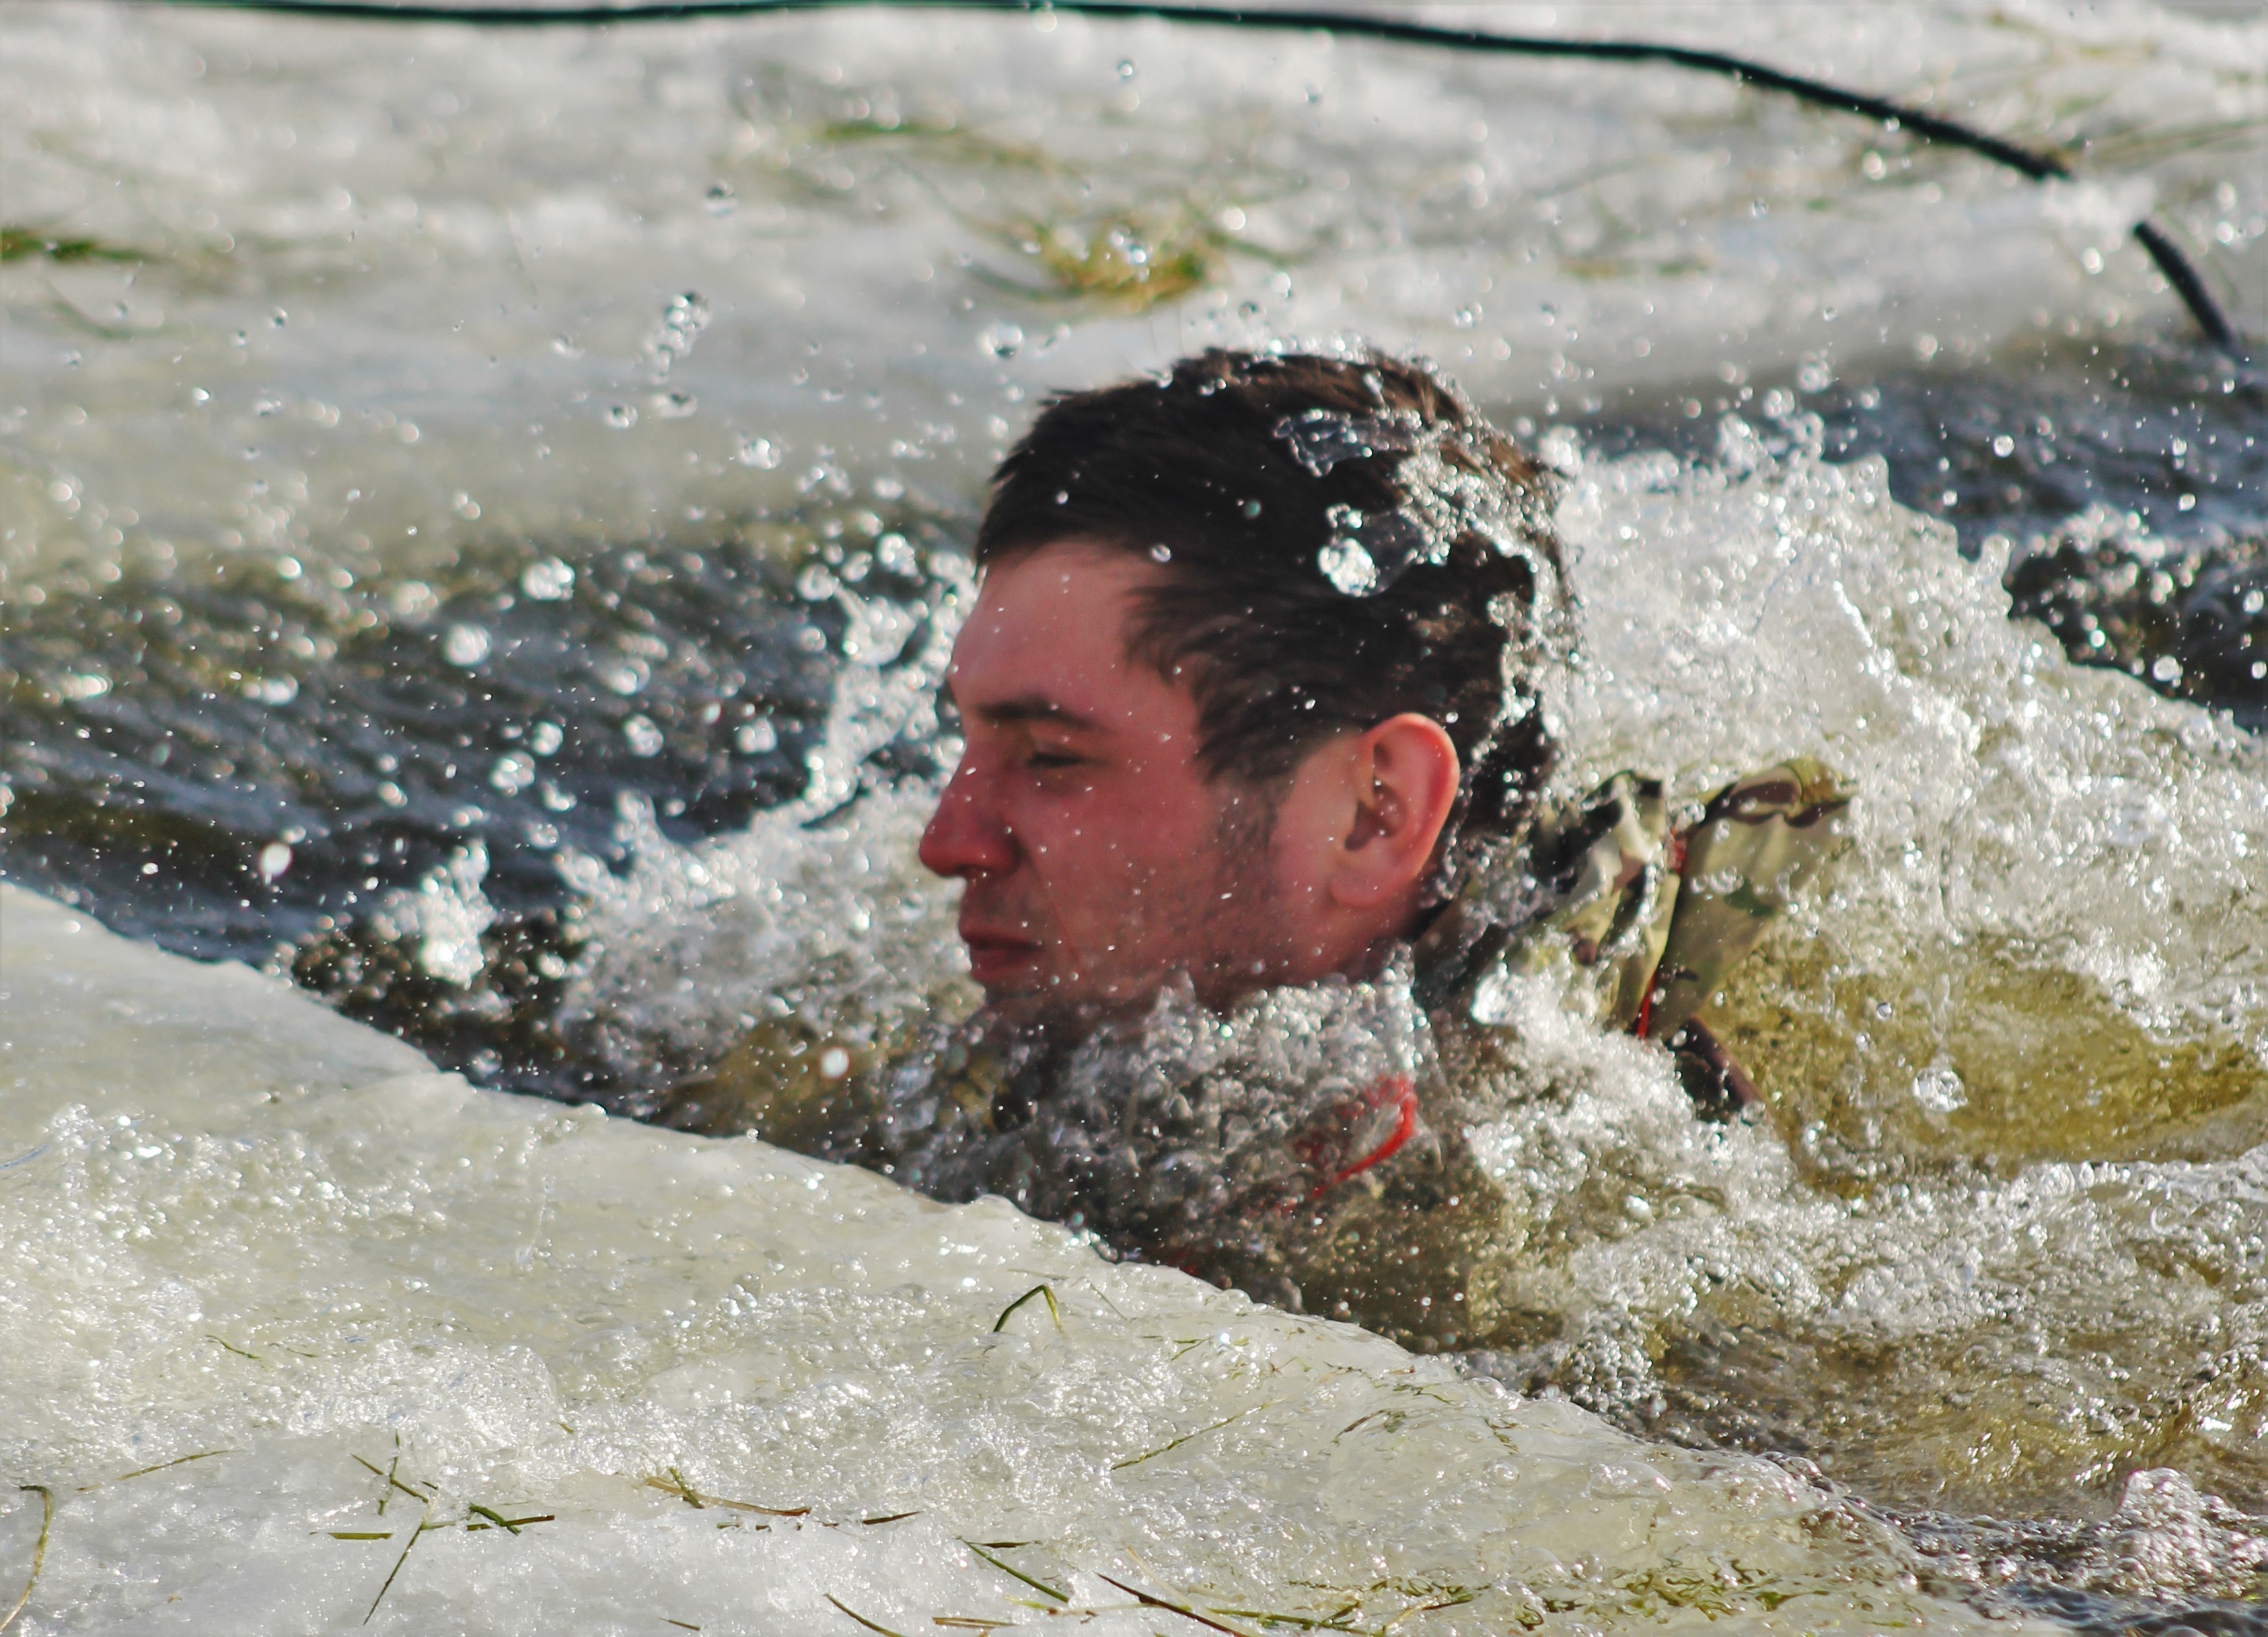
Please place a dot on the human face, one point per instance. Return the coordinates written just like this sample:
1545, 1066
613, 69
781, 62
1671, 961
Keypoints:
1096, 856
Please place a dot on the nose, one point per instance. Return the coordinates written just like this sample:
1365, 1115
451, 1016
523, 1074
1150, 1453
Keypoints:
967, 835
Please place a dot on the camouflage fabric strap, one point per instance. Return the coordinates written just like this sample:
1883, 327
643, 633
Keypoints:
1762, 840
1658, 917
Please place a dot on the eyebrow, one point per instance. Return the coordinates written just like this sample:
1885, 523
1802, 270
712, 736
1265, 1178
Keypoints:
1032, 708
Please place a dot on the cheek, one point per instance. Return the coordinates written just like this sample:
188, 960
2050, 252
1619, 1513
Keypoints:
1127, 836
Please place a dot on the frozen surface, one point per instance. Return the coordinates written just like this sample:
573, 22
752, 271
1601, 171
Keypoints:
240, 1229
388, 289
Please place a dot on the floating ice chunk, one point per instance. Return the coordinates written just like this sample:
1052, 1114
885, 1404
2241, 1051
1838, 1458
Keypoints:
285, 1247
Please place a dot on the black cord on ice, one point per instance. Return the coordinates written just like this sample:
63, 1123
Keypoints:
2180, 271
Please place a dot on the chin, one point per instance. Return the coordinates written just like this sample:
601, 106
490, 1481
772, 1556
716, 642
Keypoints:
1060, 1010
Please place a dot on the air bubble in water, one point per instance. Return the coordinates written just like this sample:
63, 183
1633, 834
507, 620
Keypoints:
756, 738
893, 554
643, 737
1002, 340
1126, 68
546, 738
275, 858
1162, 553
1940, 1090
758, 452
464, 645
620, 417
548, 580
721, 201
816, 583
1349, 567
1814, 375
673, 406
682, 322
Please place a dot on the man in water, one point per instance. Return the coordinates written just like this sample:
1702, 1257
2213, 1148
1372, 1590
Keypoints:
1249, 823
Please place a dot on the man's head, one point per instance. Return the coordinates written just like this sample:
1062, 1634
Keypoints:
1255, 657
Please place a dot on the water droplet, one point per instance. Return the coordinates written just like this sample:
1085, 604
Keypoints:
1126, 68
643, 737
620, 417
2004, 446
1349, 567
512, 773
1162, 553
546, 738
1250, 508
2166, 668
672, 406
756, 738
548, 580
834, 1063
759, 453
721, 201
1002, 340
816, 583
275, 858
464, 645
893, 554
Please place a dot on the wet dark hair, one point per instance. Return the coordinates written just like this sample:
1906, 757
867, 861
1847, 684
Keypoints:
1348, 540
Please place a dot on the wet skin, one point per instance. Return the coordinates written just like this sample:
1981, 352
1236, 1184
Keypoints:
1098, 859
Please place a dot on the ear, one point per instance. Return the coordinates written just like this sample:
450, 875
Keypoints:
1405, 776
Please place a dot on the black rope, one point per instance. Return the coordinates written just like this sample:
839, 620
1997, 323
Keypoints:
2188, 283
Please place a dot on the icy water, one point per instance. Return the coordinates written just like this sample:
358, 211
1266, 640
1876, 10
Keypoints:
481, 514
